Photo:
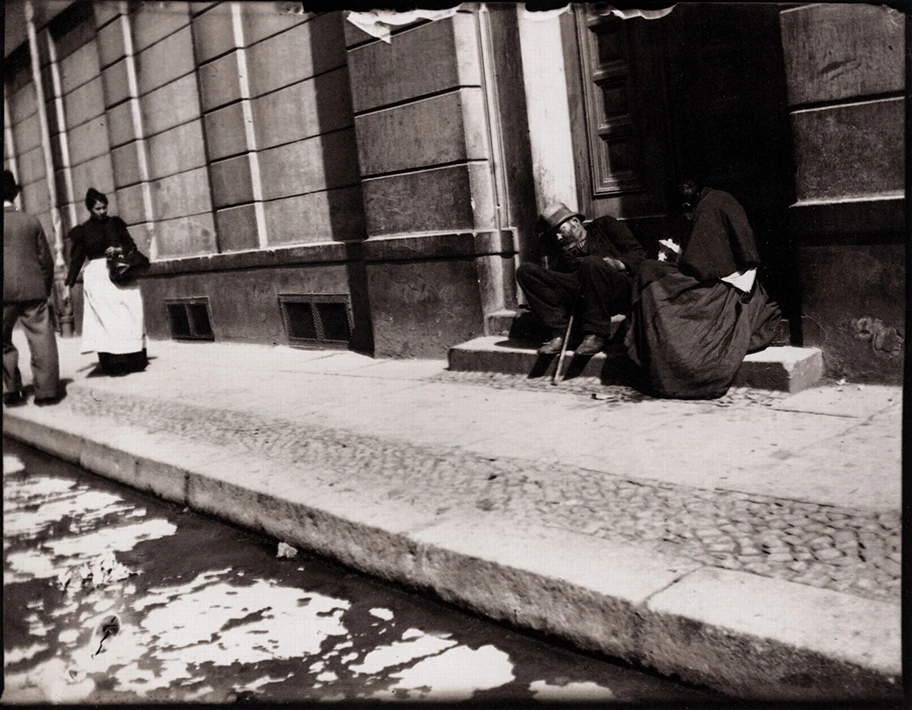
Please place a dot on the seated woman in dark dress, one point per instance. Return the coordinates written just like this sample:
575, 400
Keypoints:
691, 323
112, 318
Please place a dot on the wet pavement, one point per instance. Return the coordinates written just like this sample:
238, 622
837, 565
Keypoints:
111, 596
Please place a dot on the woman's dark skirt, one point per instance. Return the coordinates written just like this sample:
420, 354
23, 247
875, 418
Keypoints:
690, 337
123, 363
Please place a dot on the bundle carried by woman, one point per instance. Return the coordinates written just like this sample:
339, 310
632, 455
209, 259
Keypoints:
124, 266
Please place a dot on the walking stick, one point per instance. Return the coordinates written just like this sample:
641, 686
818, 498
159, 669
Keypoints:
555, 377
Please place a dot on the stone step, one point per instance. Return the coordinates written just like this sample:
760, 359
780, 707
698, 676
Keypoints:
520, 324
783, 368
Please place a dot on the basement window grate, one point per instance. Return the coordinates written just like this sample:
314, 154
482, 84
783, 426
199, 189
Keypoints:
317, 319
189, 319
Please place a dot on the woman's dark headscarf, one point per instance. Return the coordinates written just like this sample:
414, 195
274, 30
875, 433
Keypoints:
93, 196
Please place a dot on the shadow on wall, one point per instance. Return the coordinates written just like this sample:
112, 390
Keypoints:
339, 207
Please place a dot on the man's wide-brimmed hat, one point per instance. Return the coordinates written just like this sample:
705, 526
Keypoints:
555, 214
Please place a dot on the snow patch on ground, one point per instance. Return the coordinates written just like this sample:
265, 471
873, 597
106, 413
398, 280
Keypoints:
200, 692
50, 681
117, 539
53, 499
68, 636
25, 566
255, 685
12, 464
201, 622
37, 627
45, 561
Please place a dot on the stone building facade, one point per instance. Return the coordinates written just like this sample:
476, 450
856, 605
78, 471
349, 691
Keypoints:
323, 179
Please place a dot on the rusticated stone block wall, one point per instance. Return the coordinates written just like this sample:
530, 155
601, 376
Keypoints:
846, 81
23, 145
278, 125
224, 132
151, 96
419, 119
437, 258
212, 127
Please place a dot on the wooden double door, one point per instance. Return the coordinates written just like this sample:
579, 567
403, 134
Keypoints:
701, 90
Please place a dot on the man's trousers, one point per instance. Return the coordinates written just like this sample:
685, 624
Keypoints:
42, 341
603, 292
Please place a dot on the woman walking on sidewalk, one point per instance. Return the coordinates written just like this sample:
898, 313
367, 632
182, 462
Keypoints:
112, 319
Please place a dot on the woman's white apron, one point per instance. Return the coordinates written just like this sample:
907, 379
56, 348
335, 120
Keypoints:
112, 319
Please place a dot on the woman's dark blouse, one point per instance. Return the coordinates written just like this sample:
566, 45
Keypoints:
90, 239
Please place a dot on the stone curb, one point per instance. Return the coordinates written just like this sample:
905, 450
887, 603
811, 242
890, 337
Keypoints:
738, 633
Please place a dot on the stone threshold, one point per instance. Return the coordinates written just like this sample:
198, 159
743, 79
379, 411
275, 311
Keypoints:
784, 368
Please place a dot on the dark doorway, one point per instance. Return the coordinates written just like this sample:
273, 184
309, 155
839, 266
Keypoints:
728, 119
701, 90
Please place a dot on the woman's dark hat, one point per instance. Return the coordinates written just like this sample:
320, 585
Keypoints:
555, 214
93, 196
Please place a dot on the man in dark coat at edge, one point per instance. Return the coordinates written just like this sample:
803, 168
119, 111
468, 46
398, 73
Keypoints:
28, 275
691, 323
590, 269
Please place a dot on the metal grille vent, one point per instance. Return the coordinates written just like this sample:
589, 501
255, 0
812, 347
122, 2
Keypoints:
317, 319
189, 319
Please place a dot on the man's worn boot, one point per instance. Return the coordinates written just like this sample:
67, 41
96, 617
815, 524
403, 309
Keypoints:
553, 346
591, 345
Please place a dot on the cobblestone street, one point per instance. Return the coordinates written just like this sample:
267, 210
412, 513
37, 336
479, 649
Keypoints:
749, 543
823, 546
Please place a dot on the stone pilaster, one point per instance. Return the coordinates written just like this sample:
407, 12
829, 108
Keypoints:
846, 81
9, 139
63, 178
63, 307
549, 110
234, 174
437, 194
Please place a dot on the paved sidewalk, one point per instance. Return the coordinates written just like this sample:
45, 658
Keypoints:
750, 543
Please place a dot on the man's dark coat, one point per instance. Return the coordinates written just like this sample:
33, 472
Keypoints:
584, 282
28, 265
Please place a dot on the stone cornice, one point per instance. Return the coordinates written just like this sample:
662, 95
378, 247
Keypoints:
404, 248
